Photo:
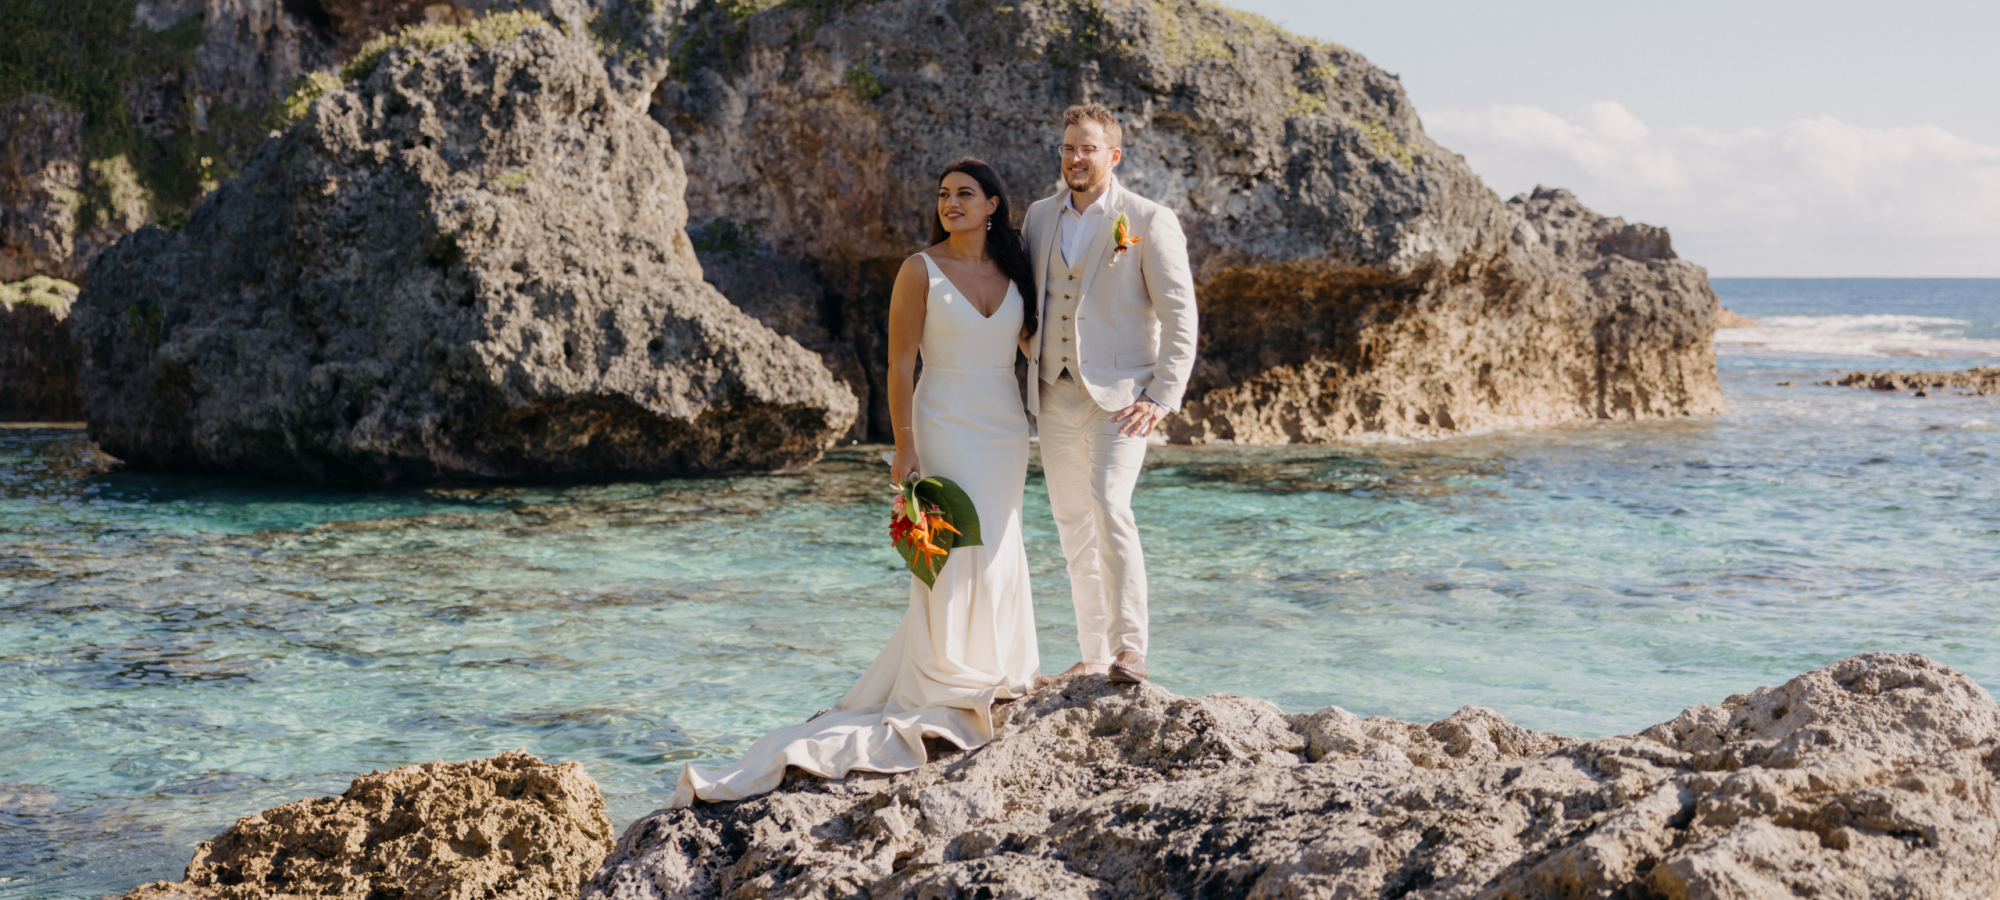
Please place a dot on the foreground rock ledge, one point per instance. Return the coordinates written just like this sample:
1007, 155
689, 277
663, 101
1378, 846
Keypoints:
509, 826
1877, 776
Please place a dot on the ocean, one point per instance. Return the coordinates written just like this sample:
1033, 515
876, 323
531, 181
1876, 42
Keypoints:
179, 651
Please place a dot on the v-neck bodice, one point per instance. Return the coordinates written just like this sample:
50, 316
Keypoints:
956, 336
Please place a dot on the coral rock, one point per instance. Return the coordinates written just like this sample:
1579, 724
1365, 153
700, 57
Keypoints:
1983, 381
509, 826
1876, 776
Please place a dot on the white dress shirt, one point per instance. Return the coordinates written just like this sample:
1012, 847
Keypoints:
1075, 229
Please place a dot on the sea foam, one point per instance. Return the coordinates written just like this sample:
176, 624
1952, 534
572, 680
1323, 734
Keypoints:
1929, 337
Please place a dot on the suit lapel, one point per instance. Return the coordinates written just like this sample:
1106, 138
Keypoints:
1101, 241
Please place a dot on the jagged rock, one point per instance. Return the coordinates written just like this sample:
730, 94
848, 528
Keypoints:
510, 826
1983, 381
1655, 311
1876, 776
1356, 279
37, 358
470, 263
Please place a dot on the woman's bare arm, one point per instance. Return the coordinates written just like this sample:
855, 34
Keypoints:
906, 331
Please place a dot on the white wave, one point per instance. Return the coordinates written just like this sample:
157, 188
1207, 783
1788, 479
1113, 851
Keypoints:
1869, 324
1926, 337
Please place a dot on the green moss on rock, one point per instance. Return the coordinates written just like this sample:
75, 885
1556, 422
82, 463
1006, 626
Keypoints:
83, 54
39, 290
484, 32
1385, 142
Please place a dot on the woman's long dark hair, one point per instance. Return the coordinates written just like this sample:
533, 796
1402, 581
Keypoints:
1003, 242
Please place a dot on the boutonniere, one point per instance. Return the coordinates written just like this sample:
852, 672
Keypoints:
1121, 230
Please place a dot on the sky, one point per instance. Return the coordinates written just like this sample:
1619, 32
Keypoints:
1824, 139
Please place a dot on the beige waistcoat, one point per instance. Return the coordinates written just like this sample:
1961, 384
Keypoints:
1065, 281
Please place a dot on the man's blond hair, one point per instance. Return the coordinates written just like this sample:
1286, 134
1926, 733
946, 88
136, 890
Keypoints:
1114, 136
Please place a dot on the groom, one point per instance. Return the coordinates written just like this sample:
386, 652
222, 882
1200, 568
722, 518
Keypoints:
1111, 358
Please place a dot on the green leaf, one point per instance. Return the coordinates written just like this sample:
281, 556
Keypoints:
916, 564
958, 509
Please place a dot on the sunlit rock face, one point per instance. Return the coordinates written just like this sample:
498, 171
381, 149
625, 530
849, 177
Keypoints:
1357, 280
471, 263
44, 176
1877, 776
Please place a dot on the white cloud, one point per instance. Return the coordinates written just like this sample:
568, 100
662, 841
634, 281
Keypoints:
1811, 197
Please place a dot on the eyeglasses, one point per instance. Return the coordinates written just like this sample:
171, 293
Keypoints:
1086, 151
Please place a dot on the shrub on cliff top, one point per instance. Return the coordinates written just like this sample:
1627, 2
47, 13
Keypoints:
484, 31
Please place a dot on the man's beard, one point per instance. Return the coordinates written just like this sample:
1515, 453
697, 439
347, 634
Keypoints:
1076, 181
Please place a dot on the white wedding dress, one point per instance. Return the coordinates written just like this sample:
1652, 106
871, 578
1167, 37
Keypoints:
970, 639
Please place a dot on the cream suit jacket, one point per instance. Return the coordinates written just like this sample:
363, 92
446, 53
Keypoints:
1135, 320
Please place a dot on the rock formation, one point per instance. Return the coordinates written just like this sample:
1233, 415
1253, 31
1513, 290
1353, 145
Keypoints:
1356, 279
1654, 312
1877, 776
1983, 381
37, 359
510, 826
470, 261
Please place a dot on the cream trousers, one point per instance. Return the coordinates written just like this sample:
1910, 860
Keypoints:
1091, 470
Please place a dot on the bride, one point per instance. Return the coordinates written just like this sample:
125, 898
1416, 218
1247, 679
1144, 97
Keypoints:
969, 640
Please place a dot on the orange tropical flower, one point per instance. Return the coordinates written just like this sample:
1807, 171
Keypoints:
1121, 231
928, 519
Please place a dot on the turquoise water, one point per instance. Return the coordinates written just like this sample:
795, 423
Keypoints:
176, 651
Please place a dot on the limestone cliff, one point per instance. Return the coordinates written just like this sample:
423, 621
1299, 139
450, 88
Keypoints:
117, 113
1356, 279
1877, 776
468, 261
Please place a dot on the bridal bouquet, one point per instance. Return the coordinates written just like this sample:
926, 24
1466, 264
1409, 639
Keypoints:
927, 519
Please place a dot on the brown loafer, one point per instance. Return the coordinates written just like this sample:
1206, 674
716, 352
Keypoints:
1128, 673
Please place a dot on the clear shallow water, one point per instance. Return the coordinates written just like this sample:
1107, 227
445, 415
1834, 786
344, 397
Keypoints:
176, 652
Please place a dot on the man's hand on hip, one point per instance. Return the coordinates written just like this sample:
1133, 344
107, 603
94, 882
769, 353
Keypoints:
1138, 419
